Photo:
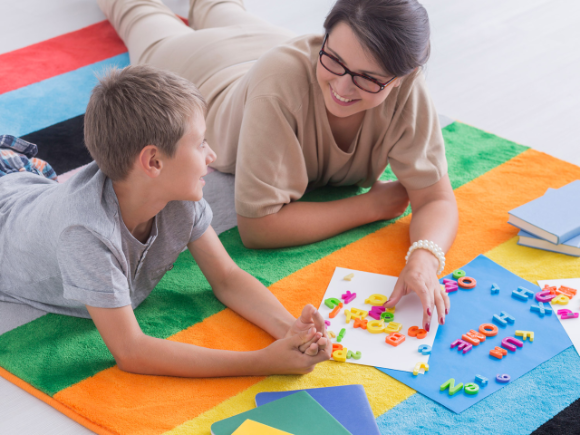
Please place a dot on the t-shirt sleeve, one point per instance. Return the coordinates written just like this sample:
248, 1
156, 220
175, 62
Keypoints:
202, 216
90, 271
270, 167
418, 155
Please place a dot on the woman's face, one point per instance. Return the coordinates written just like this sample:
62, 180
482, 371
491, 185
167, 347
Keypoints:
341, 97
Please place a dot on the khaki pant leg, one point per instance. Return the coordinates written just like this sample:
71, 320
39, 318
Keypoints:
205, 14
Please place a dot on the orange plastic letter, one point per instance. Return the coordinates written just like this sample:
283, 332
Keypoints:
498, 352
488, 329
394, 339
473, 337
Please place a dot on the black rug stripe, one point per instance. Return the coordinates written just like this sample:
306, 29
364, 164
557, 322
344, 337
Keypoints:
62, 145
566, 422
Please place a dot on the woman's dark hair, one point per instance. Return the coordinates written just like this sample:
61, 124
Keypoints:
396, 32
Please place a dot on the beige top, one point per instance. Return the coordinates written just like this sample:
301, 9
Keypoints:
267, 123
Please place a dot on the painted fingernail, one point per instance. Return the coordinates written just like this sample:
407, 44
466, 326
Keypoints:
442, 321
428, 311
427, 327
446, 311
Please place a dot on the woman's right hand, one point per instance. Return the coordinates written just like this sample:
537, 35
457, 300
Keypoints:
284, 357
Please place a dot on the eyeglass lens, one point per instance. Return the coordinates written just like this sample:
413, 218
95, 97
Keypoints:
334, 67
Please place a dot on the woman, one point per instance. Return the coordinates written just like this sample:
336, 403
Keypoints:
289, 114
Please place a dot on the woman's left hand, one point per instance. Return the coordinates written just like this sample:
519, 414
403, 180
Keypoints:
420, 276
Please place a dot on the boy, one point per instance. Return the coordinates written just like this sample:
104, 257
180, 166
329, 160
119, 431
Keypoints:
97, 245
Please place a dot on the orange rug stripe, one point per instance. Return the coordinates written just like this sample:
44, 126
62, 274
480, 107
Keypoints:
54, 403
148, 404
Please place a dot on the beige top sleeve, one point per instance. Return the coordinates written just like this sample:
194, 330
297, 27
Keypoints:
418, 155
270, 167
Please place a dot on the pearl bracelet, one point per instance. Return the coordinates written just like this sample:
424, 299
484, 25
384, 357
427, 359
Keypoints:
431, 247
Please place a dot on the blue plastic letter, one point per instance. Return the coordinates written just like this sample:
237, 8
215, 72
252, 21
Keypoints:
503, 319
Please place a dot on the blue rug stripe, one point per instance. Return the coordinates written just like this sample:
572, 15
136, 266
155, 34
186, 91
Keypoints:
521, 407
53, 100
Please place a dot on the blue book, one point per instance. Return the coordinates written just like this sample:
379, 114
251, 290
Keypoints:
554, 217
347, 403
570, 247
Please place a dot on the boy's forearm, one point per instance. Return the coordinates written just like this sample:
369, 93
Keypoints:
245, 295
155, 356
301, 223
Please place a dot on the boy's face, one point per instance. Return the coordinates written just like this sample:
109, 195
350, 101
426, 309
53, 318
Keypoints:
184, 171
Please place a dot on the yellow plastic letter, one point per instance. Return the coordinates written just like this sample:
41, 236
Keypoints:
375, 326
561, 300
358, 313
525, 334
340, 354
393, 327
376, 300
419, 366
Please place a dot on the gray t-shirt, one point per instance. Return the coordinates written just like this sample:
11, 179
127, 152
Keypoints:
64, 246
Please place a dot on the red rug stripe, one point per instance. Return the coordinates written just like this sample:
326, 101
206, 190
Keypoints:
58, 55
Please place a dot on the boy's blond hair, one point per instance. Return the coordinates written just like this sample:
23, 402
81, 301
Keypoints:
134, 107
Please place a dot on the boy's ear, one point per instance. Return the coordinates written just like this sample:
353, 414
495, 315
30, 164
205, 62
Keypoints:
150, 161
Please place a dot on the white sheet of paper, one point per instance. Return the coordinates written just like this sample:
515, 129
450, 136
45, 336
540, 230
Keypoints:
374, 350
571, 326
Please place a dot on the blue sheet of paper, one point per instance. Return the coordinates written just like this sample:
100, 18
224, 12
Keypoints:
470, 309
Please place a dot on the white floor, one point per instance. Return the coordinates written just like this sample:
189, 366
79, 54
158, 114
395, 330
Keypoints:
508, 67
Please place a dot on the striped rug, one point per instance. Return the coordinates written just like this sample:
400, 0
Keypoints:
63, 361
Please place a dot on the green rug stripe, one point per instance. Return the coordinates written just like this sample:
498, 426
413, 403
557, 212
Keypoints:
54, 352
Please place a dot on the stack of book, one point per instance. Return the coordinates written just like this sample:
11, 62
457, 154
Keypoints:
551, 222
339, 410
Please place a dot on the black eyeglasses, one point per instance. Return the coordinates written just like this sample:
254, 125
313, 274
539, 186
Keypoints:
361, 81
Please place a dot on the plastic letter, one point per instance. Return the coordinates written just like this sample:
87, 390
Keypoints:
498, 352
376, 299
522, 294
334, 312
458, 274
425, 349
561, 300
393, 327
503, 378
419, 366
387, 316
494, 289
332, 334
488, 329
544, 296
525, 334
358, 323
348, 315
357, 354
466, 282
452, 387
336, 346
348, 277
481, 380
394, 339
541, 309
461, 345
376, 312
348, 296
473, 337
471, 388
332, 302
509, 342
451, 286
503, 319
358, 313
567, 314
412, 332
375, 326
340, 354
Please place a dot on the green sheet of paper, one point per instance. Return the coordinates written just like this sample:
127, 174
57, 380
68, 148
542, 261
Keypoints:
298, 414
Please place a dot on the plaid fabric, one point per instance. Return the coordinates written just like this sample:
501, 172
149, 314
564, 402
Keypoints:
17, 155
